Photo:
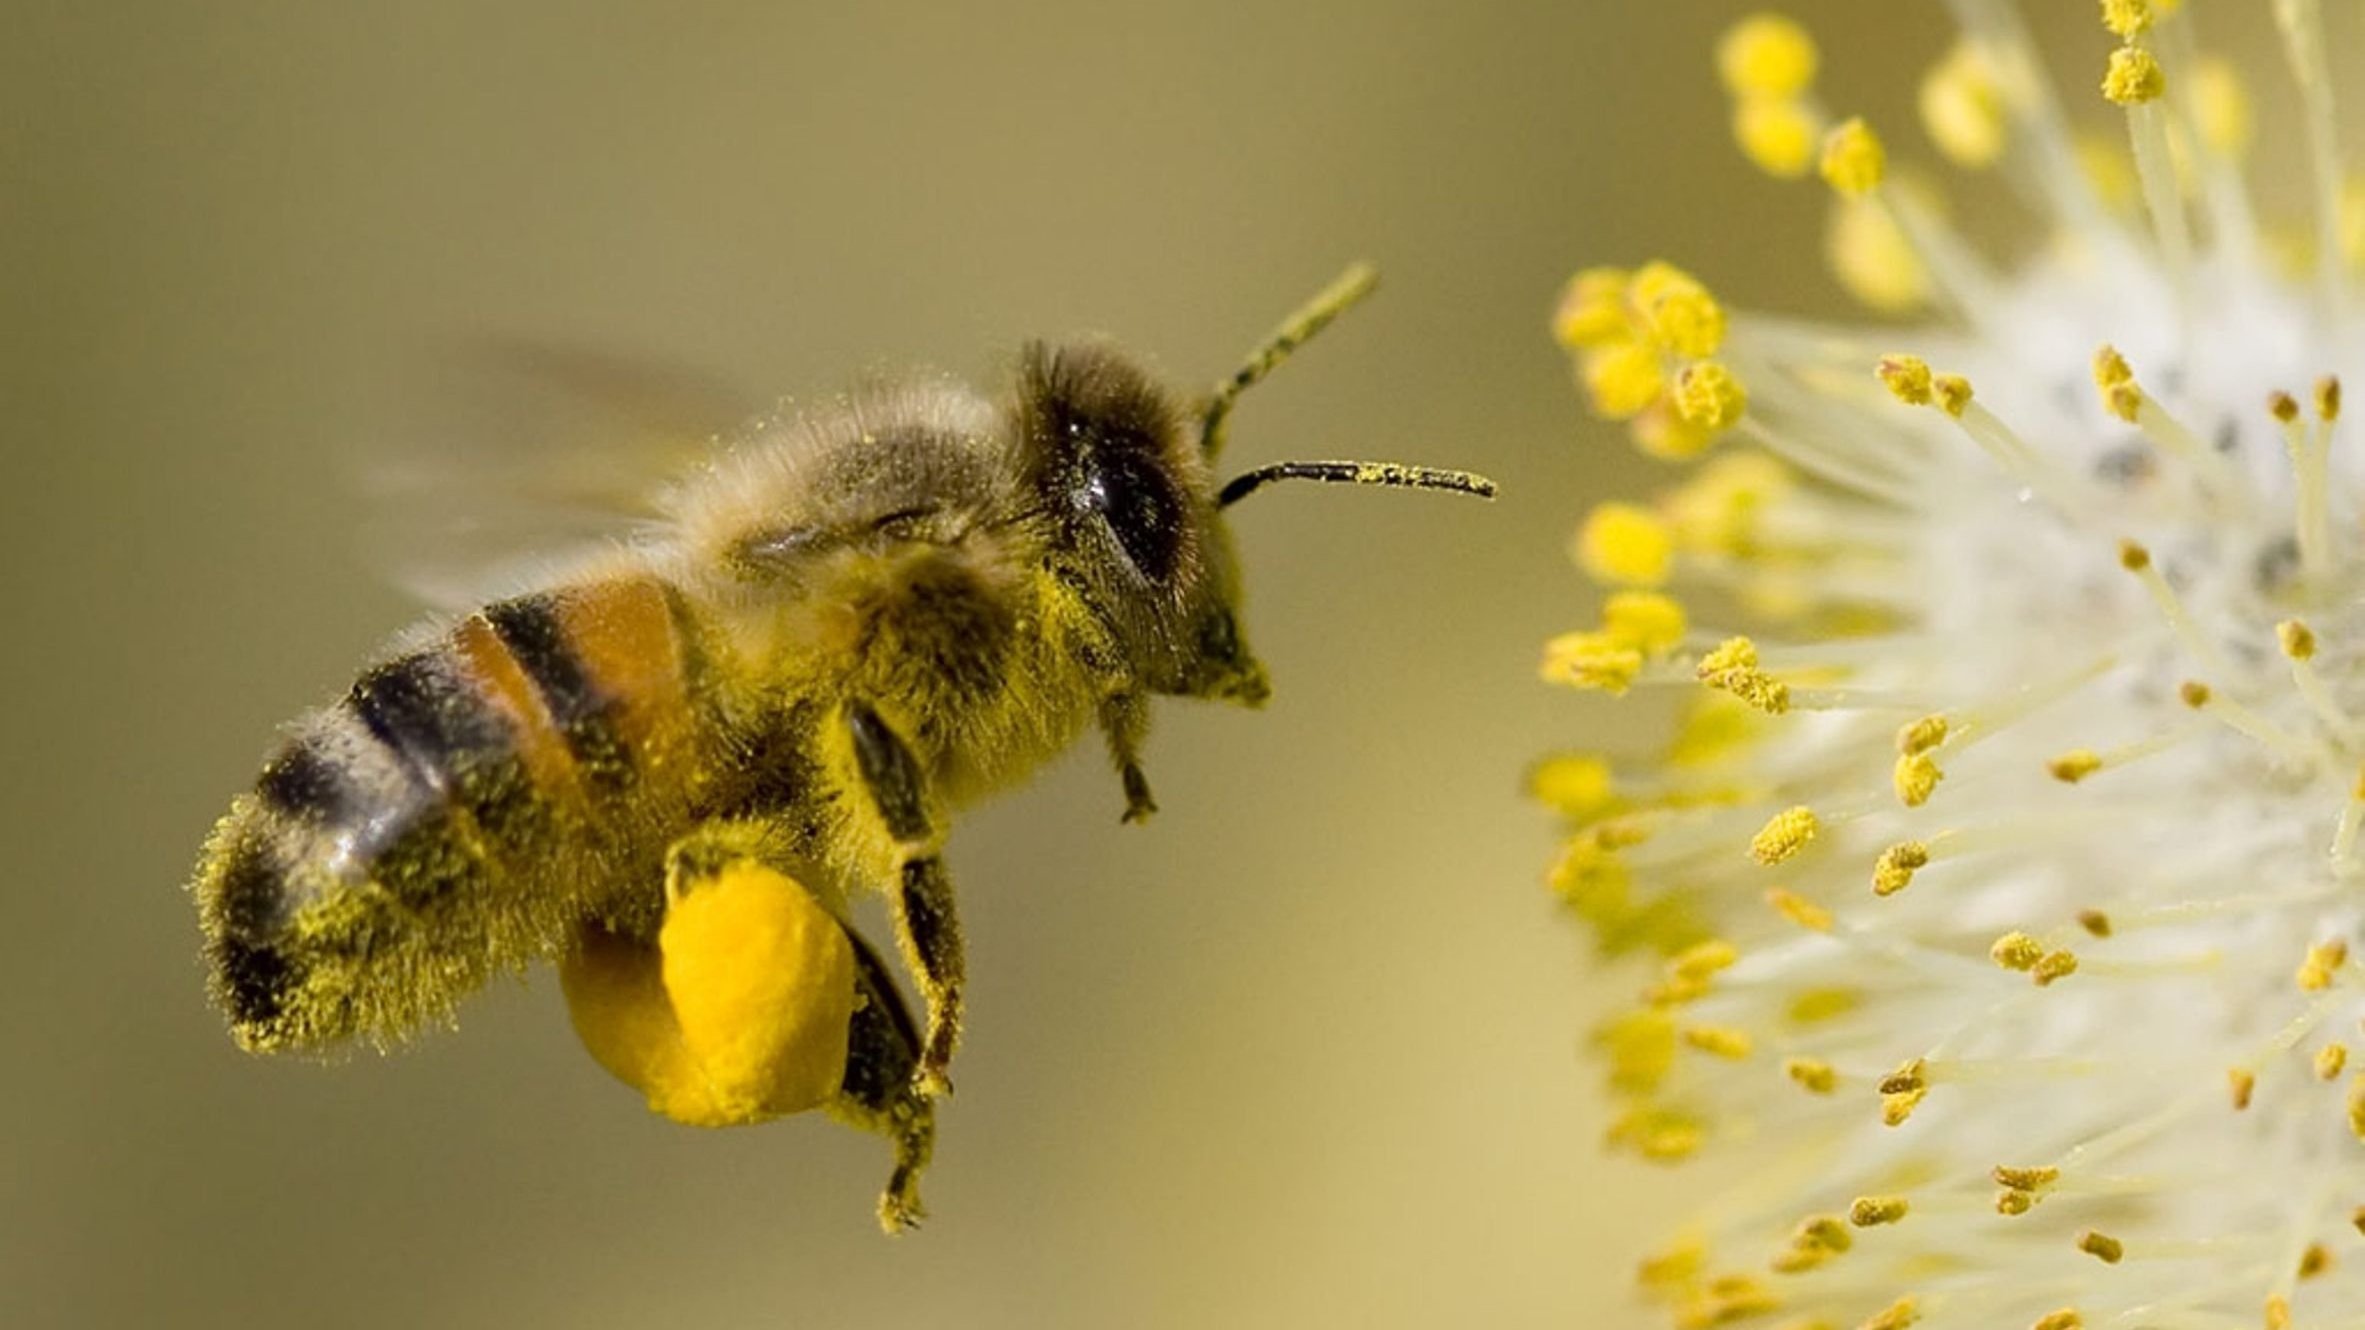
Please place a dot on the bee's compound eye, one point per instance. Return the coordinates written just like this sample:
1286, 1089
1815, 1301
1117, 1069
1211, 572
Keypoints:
1141, 506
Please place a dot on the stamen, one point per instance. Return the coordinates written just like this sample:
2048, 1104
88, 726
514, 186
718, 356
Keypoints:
2136, 559
2136, 82
2127, 400
2298, 644
2302, 24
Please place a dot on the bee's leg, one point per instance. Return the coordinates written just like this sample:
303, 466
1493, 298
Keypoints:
1125, 719
879, 1094
921, 897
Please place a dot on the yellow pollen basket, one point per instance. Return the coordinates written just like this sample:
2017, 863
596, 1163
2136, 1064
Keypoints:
738, 1013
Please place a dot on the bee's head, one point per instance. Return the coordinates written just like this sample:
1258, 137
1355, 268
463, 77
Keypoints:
1136, 531
1127, 478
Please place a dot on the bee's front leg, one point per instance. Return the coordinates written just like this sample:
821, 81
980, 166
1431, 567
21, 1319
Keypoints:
1125, 719
921, 896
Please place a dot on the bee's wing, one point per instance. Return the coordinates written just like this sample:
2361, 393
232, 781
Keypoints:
514, 455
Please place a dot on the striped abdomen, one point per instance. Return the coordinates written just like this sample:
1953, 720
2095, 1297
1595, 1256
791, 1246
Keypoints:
459, 812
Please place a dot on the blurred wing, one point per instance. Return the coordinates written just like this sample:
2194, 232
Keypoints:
512, 455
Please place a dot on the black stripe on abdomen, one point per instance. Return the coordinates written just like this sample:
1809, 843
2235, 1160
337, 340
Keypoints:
422, 707
535, 632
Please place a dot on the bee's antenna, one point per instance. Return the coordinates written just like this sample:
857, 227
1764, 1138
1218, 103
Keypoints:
1356, 473
1312, 317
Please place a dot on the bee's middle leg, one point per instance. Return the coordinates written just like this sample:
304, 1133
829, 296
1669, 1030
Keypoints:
921, 897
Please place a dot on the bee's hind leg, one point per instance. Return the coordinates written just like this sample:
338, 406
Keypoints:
879, 1093
921, 897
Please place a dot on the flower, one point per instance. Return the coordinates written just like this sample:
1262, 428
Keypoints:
2001, 872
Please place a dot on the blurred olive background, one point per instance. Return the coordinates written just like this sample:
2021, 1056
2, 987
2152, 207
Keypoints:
1302, 1051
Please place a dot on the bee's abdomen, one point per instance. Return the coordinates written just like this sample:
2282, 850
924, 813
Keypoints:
457, 812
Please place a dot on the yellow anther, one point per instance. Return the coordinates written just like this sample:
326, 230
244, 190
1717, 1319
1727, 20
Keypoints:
1874, 1211
1661, 1134
1592, 310
1873, 258
2221, 107
1897, 864
2134, 77
2193, 693
2282, 406
1896, 1108
2102, 1247
2016, 951
1647, 621
1727, 1300
2356, 1106
1953, 394
1678, 1265
1909, 1076
1675, 992
1680, 314
1718, 509
1814, 1005
1920, 736
1962, 107
2014, 1202
1710, 396
1784, 835
1896, 1316
1907, 378
2133, 556
1662, 432
1766, 55
2025, 1179
2330, 1060
1813, 1075
2241, 1083
1822, 1233
2315, 1260
2278, 1312
2065, 1319
1799, 910
2110, 368
1716, 728
1853, 160
1799, 1260
2322, 965
1623, 378
1732, 668
2297, 640
2074, 765
2127, 18
1591, 879
1639, 1047
1915, 778
1591, 661
2095, 922
1719, 1041
1625, 545
1574, 785
2053, 966
2328, 398
1703, 959
1777, 134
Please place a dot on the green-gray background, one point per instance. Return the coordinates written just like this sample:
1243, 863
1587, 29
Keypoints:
1303, 1051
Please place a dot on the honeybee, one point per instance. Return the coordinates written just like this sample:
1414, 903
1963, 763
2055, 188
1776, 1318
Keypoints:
670, 770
